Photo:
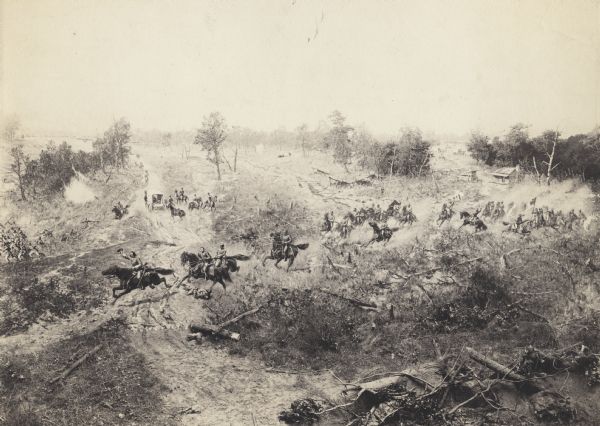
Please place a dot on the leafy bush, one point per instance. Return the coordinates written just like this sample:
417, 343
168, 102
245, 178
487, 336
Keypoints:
55, 166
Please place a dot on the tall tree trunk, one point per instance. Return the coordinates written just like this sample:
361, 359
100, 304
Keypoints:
21, 187
550, 162
235, 160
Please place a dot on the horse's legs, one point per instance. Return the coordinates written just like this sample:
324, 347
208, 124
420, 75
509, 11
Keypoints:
290, 262
277, 263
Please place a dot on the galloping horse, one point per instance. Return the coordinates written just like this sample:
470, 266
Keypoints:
194, 205
381, 234
289, 256
176, 212
128, 281
219, 275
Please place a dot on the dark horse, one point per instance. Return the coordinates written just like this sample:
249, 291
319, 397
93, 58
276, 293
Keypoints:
176, 212
381, 234
120, 211
217, 275
473, 220
128, 282
289, 256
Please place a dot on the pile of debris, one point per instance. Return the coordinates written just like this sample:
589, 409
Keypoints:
449, 391
535, 363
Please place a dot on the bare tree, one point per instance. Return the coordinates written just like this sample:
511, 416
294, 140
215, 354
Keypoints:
211, 137
549, 139
19, 166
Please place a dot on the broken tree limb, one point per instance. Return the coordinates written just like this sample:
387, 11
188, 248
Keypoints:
218, 330
239, 317
349, 299
76, 364
498, 368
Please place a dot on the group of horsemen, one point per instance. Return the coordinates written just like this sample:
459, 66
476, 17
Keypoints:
540, 216
205, 262
357, 217
181, 197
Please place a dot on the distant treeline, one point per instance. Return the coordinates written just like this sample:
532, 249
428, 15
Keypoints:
547, 156
56, 165
406, 154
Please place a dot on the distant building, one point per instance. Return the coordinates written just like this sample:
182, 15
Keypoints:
468, 175
506, 175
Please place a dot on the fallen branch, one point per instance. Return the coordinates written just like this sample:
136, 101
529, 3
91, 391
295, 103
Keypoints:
349, 299
505, 372
76, 364
218, 330
239, 317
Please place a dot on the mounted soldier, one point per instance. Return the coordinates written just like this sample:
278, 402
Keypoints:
286, 240
206, 259
220, 256
136, 265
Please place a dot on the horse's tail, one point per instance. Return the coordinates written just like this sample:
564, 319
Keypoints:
302, 246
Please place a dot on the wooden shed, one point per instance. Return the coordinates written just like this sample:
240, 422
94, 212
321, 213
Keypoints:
505, 175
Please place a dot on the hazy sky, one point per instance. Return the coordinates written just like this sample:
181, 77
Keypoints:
445, 66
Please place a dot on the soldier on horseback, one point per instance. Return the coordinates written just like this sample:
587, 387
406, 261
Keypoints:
220, 256
137, 266
286, 240
206, 259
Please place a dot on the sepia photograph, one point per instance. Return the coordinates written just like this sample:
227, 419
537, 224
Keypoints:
299, 212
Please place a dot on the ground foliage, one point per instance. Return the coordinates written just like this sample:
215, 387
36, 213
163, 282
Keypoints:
112, 386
